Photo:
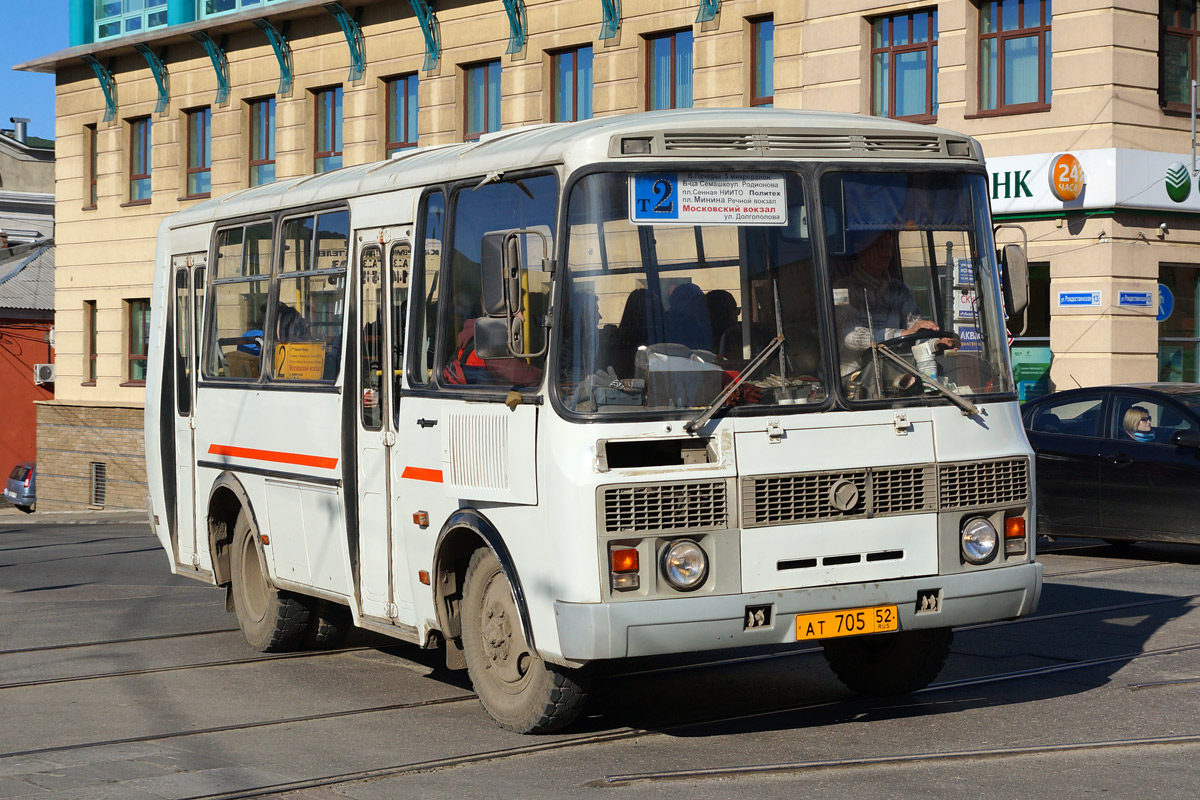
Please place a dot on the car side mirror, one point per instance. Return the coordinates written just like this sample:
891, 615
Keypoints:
1016, 279
1188, 438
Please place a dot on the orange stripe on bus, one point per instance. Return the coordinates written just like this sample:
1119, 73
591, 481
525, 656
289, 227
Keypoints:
273, 456
422, 474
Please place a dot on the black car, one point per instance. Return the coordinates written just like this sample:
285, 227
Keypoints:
1120, 463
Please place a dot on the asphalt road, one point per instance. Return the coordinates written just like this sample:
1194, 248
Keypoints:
118, 680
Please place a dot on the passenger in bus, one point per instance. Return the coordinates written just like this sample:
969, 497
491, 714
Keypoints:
467, 368
871, 304
723, 322
687, 318
642, 323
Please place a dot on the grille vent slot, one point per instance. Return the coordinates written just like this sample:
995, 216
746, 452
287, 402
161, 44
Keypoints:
478, 451
666, 507
903, 490
779, 499
984, 483
709, 141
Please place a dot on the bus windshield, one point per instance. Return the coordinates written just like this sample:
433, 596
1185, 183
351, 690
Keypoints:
661, 315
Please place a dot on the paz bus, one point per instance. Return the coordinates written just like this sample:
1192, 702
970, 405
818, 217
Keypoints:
639, 385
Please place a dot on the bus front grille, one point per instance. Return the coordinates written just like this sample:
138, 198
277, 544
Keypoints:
692, 506
882, 491
983, 483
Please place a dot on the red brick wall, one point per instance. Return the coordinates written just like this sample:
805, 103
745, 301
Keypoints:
22, 344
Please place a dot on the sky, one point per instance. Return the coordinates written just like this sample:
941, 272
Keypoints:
32, 29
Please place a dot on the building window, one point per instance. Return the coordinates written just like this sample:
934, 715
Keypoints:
262, 141
119, 17
199, 155
481, 103
401, 114
139, 339
139, 160
904, 65
328, 127
571, 85
1179, 333
1014, 55
1179, 38
90, 195
669, 71
212, 8
89, 341
762, 56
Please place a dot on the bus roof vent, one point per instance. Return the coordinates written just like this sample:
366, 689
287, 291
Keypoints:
721, 141
811, 142
882, 143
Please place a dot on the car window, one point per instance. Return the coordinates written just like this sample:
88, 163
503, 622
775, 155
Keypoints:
1078, 416
19, 473
1146, 420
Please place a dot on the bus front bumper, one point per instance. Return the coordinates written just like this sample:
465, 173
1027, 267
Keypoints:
590, 631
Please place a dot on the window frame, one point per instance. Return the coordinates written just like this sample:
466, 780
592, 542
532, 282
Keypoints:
132, 356
137, 131
204, 115
555, 82
756, 98
333, 136
674, 77
91, 195
253, 128
391, 145
1042, 33
470, 135
891, 51
89, 343
152, 15
1193, 37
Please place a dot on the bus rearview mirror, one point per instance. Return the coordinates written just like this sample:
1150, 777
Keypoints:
1016, 279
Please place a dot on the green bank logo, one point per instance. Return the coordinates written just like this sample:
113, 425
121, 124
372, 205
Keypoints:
1179, 183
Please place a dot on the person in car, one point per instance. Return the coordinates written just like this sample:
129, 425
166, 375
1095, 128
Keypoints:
1137, 424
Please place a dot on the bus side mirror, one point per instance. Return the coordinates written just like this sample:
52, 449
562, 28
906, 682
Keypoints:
1016, 279
491, 338
492, 269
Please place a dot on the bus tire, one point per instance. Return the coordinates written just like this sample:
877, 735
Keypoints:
519, 690
329, 625
889, 663
271, 621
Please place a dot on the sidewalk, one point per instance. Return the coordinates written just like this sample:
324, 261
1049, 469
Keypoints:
10, 515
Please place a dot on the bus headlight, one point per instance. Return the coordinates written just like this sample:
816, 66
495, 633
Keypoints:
684, 565
979, 540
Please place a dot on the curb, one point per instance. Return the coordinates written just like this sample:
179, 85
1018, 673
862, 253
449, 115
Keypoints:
11, 515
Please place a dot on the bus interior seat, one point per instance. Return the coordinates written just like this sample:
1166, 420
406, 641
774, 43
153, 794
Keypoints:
242, 365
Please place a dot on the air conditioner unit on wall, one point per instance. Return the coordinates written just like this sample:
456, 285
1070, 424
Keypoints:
43, 373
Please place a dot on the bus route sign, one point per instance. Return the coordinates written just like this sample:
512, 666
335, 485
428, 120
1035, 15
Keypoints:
708, 198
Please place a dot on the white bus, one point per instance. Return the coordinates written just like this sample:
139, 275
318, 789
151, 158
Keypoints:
640, 385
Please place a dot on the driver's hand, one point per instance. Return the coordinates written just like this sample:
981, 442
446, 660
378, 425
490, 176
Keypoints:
948, 343
920, 325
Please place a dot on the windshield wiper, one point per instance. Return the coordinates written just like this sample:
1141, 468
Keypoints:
707, 414
968, 408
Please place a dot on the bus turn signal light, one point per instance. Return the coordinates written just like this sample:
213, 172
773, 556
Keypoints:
1014, 536
625, 560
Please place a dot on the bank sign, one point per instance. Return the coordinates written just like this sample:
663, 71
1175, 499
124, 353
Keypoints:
1091, 179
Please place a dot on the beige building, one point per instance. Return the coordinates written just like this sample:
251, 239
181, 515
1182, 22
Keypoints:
191, 98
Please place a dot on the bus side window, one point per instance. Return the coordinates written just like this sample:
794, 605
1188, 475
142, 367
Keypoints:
239, 296
423, 286
307, 327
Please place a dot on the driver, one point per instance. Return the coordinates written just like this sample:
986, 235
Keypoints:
872, 306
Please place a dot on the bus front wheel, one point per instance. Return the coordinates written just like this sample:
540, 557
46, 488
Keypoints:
272, 621
519, 690
889, 663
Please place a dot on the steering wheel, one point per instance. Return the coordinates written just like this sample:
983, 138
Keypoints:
908, 340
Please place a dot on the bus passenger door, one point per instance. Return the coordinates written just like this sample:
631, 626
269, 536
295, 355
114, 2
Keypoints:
384, 589
188, 288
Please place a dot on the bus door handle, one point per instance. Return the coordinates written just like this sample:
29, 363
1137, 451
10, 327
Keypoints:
427, 423
388, 438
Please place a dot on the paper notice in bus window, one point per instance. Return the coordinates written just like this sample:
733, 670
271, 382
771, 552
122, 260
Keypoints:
708, 198
302, 361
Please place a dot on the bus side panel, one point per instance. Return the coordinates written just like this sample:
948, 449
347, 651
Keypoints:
273, 440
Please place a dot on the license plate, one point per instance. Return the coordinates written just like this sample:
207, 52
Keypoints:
848, 622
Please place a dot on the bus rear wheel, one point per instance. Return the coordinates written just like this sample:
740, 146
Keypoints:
889, 663
519, 690
272, 621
